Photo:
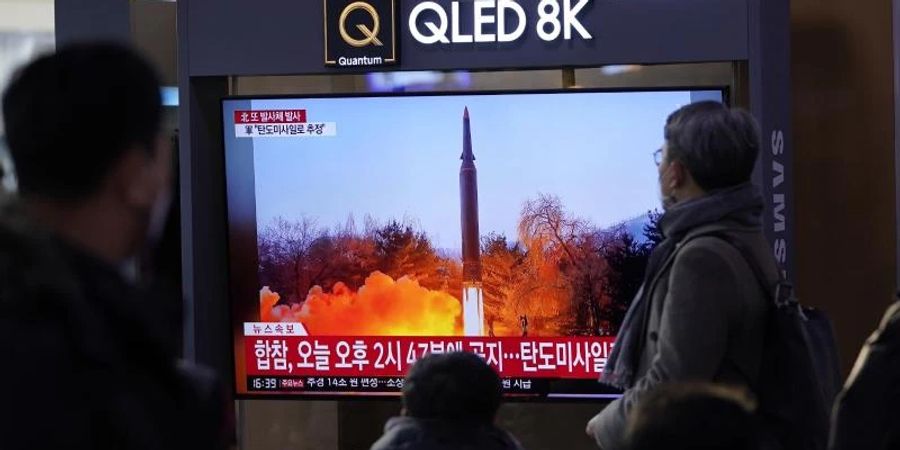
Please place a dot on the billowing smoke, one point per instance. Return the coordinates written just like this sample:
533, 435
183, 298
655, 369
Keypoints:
381, 307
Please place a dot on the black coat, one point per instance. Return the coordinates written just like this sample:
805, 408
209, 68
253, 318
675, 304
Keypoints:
704, 311
86, 364
408, 433
867, 412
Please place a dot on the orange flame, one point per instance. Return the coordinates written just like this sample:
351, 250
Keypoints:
381, 307
267, 301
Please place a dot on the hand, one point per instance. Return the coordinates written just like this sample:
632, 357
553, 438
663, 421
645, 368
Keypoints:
589, 430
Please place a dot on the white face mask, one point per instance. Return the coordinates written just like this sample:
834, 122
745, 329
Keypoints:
666, 199
159, 211
159, 214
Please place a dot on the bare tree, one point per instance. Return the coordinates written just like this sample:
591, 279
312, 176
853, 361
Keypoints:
284, 250
544, 224
569, 245
503, 271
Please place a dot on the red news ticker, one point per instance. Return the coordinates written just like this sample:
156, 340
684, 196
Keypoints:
270, 116
538, 357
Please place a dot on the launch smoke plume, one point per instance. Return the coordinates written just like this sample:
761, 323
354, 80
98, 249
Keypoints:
381, 307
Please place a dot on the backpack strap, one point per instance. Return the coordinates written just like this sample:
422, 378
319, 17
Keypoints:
781, 292
778, 293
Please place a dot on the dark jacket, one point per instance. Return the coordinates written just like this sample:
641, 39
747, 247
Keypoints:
705, 309
867, 412
407, 433
85, 365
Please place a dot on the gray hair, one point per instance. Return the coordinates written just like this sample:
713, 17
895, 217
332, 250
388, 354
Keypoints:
717, 145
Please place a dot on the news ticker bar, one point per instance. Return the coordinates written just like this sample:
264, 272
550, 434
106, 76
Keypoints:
368, 385
385, 357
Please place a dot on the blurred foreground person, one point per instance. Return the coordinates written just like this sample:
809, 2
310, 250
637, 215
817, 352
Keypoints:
700, 315
693, 417
4, 193
867, 412
87, 361
449, 402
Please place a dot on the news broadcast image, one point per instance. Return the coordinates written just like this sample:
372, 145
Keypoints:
516, 226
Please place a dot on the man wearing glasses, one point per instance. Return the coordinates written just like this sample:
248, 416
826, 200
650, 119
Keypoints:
700, 313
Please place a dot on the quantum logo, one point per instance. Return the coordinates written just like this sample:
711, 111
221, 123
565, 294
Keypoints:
360, 33
370, 35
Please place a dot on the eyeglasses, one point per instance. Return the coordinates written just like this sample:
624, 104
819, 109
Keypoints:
658, 156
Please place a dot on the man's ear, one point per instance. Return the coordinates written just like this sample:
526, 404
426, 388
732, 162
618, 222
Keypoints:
678, 177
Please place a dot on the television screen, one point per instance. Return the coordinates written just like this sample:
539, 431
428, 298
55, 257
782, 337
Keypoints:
367, 231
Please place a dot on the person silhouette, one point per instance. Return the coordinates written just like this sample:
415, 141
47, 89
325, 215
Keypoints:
89, 206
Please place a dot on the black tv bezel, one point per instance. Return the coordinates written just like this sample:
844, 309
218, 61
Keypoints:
724, 89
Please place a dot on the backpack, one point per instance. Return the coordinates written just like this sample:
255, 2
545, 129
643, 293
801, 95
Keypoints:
799, 376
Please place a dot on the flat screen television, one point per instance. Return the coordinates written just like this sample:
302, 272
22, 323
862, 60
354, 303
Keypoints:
368, 230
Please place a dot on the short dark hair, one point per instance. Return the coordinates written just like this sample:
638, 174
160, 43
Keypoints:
693, 417
457, 386
717, 145
72, 114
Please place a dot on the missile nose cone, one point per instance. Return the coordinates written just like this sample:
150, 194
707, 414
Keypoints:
467, 155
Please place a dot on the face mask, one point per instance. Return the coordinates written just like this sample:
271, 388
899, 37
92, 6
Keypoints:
667, 200
159, 214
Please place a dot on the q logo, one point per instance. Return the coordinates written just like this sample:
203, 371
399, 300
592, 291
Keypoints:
360, 33
371, 35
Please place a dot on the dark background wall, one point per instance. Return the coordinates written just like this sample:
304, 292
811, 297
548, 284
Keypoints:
843, 119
